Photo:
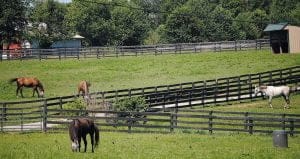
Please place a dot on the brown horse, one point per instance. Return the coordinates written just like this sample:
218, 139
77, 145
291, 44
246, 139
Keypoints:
78, 129
83, 87
28, 82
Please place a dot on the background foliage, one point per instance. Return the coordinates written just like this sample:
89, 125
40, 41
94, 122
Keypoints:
135, 22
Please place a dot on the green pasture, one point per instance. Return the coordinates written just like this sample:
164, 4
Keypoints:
60, 78
143, 146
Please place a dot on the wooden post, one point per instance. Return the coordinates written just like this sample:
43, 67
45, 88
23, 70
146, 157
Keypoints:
239, 86
227, 90
171, 122
97, 53
129, 122
60, 105
250, 87
59, 55
250, 125
21, 120
1, 54
292, 127
283, 121
203, 93
235, 45
216, 91
4, 112
45, 116
210, 124
246, 121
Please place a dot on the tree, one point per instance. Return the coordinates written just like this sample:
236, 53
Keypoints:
91, 20
12, 20
251, 24
48, 20
130, 26
280, 10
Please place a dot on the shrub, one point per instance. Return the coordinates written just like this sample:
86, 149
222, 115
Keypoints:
77, 104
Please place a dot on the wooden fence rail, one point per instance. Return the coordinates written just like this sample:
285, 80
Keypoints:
184, 120
101, 52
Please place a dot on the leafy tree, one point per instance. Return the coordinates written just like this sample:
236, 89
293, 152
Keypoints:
131, 26
280, 10
91, 20
12, 20
251, 24
48, 22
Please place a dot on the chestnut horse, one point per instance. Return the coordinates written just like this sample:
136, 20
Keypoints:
28, 82
78, 129
83, 87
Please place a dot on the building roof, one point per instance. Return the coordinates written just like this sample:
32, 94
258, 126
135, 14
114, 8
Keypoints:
275, 27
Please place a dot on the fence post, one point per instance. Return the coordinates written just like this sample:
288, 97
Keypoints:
21, 120
210, 124
203, 93
1, 54
239, 88
45, 116
246, 121
283, 121
216, 91
171, 122
235, 45
59, 55
250, 124
60, 104
292, 127
129, 122
250, 86
227, 90
4, 112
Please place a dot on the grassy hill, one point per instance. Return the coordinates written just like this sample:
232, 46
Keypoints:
60, 78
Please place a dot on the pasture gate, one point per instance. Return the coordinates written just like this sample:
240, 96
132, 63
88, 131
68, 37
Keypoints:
164, 113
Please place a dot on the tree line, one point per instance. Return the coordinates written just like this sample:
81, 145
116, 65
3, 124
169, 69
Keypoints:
136, 22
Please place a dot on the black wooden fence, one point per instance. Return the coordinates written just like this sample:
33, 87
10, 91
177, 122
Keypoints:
101, 52
36, 114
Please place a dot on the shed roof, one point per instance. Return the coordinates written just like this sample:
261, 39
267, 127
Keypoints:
275, 27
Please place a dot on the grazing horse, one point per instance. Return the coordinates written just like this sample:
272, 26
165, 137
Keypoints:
83, 87
271, 91
78, 129
28, 82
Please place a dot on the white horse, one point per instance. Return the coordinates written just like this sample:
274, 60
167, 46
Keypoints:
272, 91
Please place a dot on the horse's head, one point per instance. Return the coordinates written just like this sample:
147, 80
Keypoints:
256, 90
260, 89
75, 146
41, 90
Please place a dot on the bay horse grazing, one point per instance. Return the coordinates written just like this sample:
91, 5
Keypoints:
83, 87
28, 82
78, 129
272, 91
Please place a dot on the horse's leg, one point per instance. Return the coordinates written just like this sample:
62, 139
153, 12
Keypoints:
17, 91
92, 140
270, 101
79, 143
33, 91
84, 141
287, 101
21, 91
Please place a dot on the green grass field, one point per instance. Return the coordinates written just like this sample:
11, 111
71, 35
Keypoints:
60, 78
143, 146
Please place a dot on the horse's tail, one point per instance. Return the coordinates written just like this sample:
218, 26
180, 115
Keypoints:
13, 80
97, 136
